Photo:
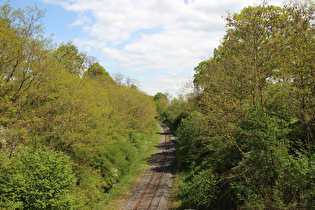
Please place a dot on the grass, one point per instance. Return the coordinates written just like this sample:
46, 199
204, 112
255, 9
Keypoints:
175, 202
116, 197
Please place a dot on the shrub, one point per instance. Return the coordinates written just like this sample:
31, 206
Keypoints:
40, 180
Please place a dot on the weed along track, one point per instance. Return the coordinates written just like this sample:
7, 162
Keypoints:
153, 191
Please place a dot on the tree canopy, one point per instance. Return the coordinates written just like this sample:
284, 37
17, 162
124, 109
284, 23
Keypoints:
247, 139
68, 132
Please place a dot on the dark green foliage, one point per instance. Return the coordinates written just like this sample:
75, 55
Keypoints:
188, 148
202, 190
267, 173
248, 142
267, 162
205, 186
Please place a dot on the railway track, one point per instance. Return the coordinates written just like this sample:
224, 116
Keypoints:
153, 191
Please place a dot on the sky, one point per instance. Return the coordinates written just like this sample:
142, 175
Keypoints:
156, 42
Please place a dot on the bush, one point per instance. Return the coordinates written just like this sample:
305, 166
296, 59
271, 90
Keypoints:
204, 189
40, 180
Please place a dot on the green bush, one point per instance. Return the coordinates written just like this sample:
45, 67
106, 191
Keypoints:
40, 180
273, 175
203, 189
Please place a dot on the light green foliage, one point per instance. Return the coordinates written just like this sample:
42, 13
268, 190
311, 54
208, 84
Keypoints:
62, 100
73, 61
172, 112
40, 180
175, 112
132, 114
161, 101
23, 64
298, 65
96, 71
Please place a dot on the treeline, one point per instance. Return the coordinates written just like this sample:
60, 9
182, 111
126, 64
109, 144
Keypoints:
246, 135
68, 131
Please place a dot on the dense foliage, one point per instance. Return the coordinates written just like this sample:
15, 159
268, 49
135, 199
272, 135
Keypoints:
68, 132
246, 135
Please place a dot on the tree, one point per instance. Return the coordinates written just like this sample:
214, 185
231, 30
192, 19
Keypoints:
60, 111
132, 82
96, 71
73, 61
161, 102
298, 64
118, 78
25, 59
254, 96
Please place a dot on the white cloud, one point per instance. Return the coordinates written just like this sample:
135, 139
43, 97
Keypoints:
149, 35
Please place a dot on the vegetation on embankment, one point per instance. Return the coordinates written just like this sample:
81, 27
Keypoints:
68, 131
246, 135
116, 198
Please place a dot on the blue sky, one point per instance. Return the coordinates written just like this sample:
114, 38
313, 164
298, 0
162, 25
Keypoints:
157, 42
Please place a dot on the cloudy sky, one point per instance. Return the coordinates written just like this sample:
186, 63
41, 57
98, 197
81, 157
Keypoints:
157, 42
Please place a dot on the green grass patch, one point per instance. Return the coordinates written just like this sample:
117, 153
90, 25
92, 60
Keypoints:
175, 202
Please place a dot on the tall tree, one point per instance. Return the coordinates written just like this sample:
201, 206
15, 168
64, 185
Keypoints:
72, 60
25, 59
298, 66
96, 71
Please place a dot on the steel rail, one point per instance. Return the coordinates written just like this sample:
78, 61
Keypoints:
164, 166
161, 162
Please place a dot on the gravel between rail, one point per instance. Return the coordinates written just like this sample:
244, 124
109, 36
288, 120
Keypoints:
153, 192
